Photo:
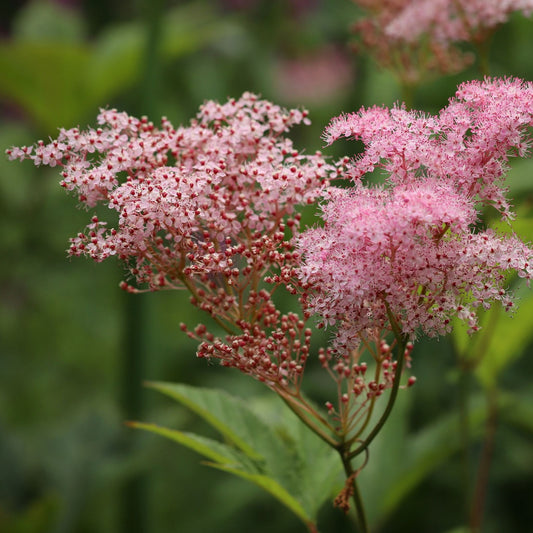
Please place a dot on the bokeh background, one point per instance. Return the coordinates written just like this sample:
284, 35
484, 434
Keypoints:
74, 349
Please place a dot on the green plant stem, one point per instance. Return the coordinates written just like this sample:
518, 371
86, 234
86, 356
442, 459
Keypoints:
356, 495
402, 343
370, 411
298, 410
482, 478
464, 432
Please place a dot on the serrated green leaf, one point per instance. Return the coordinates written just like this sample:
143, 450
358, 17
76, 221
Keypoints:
316, 465
280, 454
225, 413
229, 460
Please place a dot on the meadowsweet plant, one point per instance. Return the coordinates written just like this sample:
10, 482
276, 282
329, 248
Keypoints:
213, 208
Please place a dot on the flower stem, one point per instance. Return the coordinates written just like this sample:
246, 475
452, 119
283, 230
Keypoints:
480, 491
402, 343
464, 431
356, 495
303, 412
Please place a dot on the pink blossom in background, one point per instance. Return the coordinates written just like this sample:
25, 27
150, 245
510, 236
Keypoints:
315, 78
412, 60
452, 20
411, 248
417, 37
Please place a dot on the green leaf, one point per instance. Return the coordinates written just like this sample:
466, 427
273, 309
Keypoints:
275, 489
501, 339
519, 177
229, 460
223, 412
265, 444
425, 451
317, 467
212, 449
45, 79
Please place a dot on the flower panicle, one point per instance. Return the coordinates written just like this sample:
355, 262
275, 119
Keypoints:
414, 247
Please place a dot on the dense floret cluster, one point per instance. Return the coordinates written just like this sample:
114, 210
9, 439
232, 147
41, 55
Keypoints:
410, 249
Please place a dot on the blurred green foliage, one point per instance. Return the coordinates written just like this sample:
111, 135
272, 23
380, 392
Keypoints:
64, 463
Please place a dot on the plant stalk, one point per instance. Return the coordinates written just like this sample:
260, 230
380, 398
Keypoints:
482, 479
402, 344
355, 494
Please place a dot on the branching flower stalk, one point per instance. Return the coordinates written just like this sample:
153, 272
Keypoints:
212, 208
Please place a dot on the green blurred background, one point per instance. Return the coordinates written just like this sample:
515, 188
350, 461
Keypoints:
74, 349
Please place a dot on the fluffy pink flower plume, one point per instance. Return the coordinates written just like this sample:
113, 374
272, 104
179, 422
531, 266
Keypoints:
410, 249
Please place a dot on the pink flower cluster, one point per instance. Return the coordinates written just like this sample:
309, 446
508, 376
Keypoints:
210, 208
189, 199
409, 250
